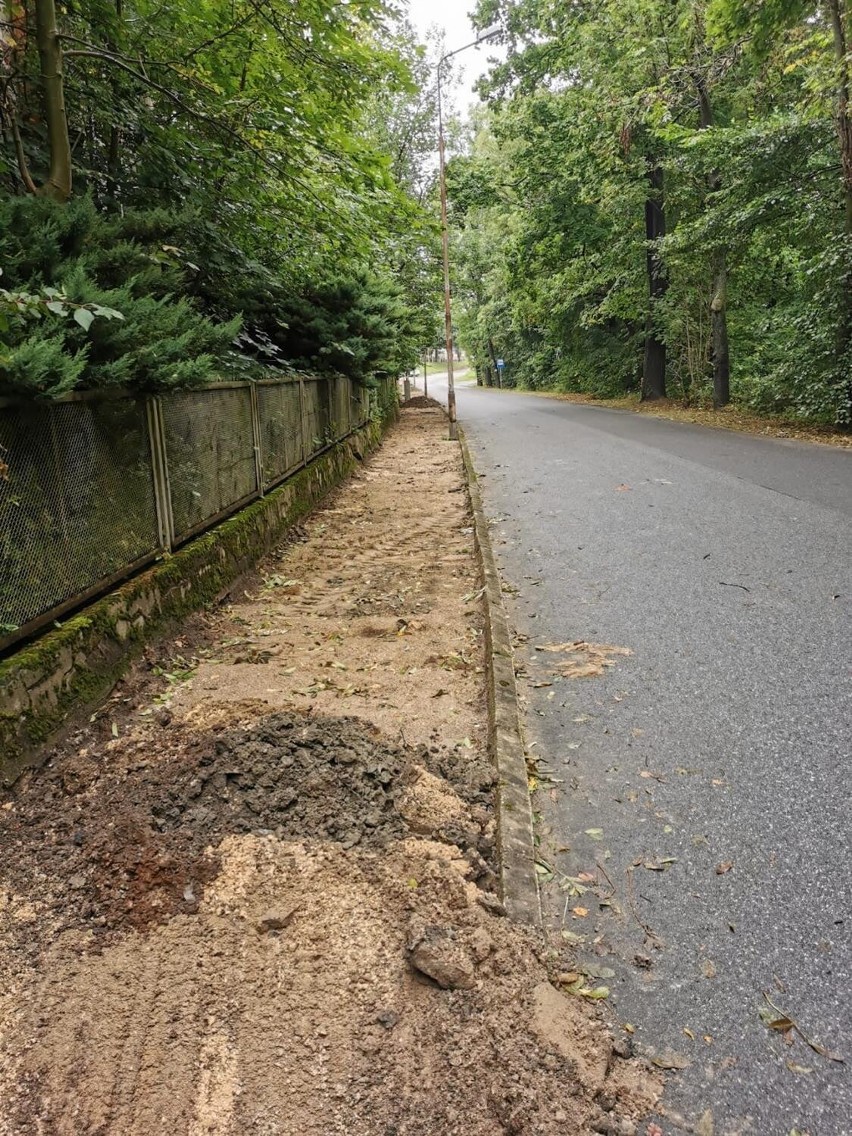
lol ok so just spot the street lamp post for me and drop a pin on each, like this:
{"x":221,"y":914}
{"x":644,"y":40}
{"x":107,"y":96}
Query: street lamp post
{"x":445,"y":236}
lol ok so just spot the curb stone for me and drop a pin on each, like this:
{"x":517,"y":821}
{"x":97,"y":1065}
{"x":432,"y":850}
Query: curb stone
{"x":516,"y":844}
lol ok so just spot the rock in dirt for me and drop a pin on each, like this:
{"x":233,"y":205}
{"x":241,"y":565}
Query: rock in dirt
{"x":491,"y":903}
{"x":435,"y":952}
{"x":275,"y":920}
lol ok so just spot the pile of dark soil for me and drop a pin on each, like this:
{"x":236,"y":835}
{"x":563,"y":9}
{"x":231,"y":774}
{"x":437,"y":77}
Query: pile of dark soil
{"x":421,"y":402}
{"x":133,"y":833}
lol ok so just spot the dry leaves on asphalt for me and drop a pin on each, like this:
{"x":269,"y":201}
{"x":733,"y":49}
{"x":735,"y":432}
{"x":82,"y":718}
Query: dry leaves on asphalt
{"x":586,"y":660}
{"x":776,"y":1019}
{"x":670,"y":1059}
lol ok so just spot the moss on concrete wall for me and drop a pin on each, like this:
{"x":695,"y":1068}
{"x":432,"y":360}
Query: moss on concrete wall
{"x":69,"y":670}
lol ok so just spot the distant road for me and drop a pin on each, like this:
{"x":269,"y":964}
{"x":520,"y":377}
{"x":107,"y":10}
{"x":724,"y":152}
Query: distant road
{"x":718,"y":751}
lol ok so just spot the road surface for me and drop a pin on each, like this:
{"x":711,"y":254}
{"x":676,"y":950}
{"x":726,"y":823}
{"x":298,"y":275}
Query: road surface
{"x":704,"y":780}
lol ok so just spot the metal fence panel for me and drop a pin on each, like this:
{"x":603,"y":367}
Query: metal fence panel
{"x":339,"y":403}
{"x":281,"y":437}
{"x":316,"y":414}
{"x":210,"y":453}
{"x":93,"y":487}
{"x":77,"y":502}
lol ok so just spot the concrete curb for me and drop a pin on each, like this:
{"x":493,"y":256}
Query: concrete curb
{"x":516,"y":845}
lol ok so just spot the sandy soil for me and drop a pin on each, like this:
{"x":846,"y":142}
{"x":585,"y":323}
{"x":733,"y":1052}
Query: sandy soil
{"x":257,"y":893}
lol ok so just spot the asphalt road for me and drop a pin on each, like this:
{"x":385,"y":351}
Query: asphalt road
{"x":719,"y":750}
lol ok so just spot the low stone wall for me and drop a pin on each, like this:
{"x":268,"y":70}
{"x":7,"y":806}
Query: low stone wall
{"x":69,"y":670}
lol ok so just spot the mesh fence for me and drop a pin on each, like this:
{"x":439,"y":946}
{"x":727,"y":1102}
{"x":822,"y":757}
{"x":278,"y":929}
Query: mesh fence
{"x":316,"y":414}
{"x":339,"y":405}
{"x":281,"y":438}
{"x":209,"y":452}
{"x":79,"y":481}
{"x":77,"y":502}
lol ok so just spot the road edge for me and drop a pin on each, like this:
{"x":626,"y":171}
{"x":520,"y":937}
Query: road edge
{"x":515,"y":840}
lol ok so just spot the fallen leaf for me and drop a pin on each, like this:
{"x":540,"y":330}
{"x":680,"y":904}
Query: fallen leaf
{"x":776,"y":1019}
{"x":598,"y":971}
{"x":595,"y":833}
{"x":568,"y":978}
{"x":704,"y":1126}
{"x":708,"y":968}
{"x":580,"y":912}
{"x":628,"y":1027}
{"x":670,"y":1059}
{"x":724,"y":867}
{"x":439,"y":693}
{"x":794,"y":1068}
{"x":781,"y":1024}
{"x":689,"y":1033}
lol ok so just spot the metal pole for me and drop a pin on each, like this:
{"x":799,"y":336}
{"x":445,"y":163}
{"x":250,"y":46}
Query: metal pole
{"x":425,"y":388}
{"x":256,"y":437}
{"x":445,"y":239}
{"x":445,"y":245}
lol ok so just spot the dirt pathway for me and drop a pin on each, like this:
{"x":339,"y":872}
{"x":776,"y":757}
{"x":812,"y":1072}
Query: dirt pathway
{"x":257,"y":893}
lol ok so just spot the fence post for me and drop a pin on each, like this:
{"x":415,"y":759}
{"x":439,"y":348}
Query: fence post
{"x":257,"y":438}
{"x":160,"y":472}
{"x":306,"y":449}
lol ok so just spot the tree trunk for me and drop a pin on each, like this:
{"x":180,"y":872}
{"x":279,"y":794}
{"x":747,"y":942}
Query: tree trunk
{"x":720,"y":357}
{"x":496,"y":369}
{"x":114,"y":148}
{"x":58,"y":184}
{"x":654,"y":369}
{"x":839,"y":15}
{"x":719,"y":352}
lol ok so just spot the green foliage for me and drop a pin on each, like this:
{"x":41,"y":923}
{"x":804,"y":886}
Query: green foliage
{"x":736,"y":105}
{"x":127,"y":327}
{"x":238,"y":167}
